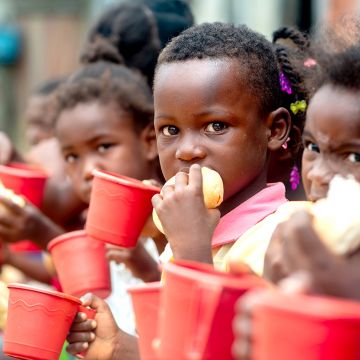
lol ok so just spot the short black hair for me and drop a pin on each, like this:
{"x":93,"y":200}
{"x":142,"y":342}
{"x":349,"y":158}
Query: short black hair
{"x":220,"y":41}
{"x":340,"y":70}
{"x":262,"y":60}
{"x":104,"y":79}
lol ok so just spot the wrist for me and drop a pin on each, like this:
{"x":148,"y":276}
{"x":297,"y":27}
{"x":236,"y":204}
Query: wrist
{"x":200,"y":252}
{"x":124,"y":347}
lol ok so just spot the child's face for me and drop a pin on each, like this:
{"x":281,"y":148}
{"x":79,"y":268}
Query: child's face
{"x":331,"y":139}
{"x":205,"y":115}
{"x":102,"y":136}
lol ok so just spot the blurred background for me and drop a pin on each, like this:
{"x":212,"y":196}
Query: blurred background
{"x":42,"y":39}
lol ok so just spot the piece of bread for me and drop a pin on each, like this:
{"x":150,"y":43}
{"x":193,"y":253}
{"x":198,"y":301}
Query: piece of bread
{"x":9,"y":194}
{"x":213,"y":190}
{"x":337,"y":217}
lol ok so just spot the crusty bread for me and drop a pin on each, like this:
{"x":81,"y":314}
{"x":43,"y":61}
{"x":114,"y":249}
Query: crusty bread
{"x":9,"y":194}
{"x":337,"y":217}
{"x":213,"y":190}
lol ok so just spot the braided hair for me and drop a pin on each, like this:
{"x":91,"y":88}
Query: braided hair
{"x":105,"y":79}
{"x":291,"y":48}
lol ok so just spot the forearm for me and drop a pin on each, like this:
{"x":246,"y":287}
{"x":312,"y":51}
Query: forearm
{"x":46,"y":230}
{"x":33,"y":268}
{"x":145,"y":267}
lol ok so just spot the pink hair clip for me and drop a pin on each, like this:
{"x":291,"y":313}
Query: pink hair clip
{"x":310,"y":62}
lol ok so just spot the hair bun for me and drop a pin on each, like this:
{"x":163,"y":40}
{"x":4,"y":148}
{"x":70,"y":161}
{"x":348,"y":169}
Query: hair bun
{"x":101,"y":49}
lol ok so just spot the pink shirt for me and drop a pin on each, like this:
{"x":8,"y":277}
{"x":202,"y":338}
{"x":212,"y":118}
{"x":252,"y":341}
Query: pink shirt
{"x":249,"y":213}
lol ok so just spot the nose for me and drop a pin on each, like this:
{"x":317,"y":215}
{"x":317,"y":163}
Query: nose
{"x":321,"y":173}
{"x":90,"y":164}
{"x":190,"y":148}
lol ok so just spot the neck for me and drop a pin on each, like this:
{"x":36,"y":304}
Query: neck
{"x":244,"y":194}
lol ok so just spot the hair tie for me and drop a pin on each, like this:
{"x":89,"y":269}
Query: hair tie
{"x":285,"y":83}
{"x":297,"y":106}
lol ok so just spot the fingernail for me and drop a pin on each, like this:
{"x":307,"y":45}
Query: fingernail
{"x":93,"y":324}
{"x":86,"y":297}
{"x":85,"y":345}
{"x":82,"y":316}
{"x":92,"y":336}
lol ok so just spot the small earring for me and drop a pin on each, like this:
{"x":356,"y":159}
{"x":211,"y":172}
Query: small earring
{"x":285,"y":144}
{"x":294,"y":178}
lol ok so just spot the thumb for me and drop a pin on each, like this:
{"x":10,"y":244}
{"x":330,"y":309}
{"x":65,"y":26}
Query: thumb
{"x":94,"y":302}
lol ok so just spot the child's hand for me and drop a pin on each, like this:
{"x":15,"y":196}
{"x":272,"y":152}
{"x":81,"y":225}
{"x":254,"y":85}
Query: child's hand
{"x":187,"y":223}
{"x":100,"y":338}
{"x":301,"y":251}
{"x":137,"y":259}
{"x":25,"y":222}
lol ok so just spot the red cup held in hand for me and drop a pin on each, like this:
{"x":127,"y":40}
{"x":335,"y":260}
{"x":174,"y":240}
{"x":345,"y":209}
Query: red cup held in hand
{"x":301,"y":327}
{"x":81,"y":264}
{"x":119,"y":208}
{"x":38,"y":322}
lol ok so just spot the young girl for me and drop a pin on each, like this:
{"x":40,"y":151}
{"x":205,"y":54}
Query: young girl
{"x":297,"y":256}
{"x":104,"y":122}
{"x":218,"y":103}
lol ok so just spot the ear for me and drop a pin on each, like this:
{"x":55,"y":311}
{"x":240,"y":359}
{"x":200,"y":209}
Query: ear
{"x":279,"y":124}
{"x":148,"y":140}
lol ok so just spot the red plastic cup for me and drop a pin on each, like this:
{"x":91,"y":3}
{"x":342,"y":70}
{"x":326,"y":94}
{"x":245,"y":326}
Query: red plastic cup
{"x":81,"y":264}
{"x":197,"y":309}
{"x":146,"y":301}
{"x":119,"y":208}
{"x":301,"y":327}
{"x":38,"y":322}
{"x":28,"y":181}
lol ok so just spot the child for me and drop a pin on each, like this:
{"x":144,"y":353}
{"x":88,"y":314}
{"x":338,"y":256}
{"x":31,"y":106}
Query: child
{"x":297,"y":258}
{"x":104,"y":122}
{"x":331,"y":140}
{"x":218,"y":103}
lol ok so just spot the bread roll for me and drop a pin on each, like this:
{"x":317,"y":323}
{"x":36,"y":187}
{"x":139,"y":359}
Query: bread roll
{"x":337,"y":217}
{"x":213,"y":190}
{"x":9,"y":194}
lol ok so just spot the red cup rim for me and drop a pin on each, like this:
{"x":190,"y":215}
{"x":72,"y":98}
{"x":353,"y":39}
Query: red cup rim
{"x":191,"y":270}
{"x":143,"y":288}
{"x":66,"y":237}
{"x":309,"y":305}
{"x":124,"y":180}
{"x":23,"y":170}
{"x":43,"y":291}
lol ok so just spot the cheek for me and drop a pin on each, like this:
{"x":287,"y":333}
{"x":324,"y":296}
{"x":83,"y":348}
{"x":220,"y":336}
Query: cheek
{"x":305,"y":168}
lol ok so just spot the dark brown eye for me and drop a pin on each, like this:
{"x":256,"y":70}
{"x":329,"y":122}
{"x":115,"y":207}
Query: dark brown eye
{"x":169,"y":130}
{"x":215,"y":126}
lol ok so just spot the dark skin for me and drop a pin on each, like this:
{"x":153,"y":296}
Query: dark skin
{"x":213,"y":117}
{"x":297,"y":257}
{"x":202,"y":128}
{"x":106,"y":139}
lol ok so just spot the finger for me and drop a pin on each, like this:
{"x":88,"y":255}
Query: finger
{"x":86,"y":325}
{"x":113,"y":247}
{"x":7,"y":220}
{"x":80,"y":337}
{"x":95,"y":303}
{"x":167,"y":190}
{"x":156,"y":200}
{"x":297,"y":283}
{"x":181,"y":180}
{"x":77,"y":348}
{"x":152,"y":182}
{"x":10,"y":205}
{"x":195,"y":177}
